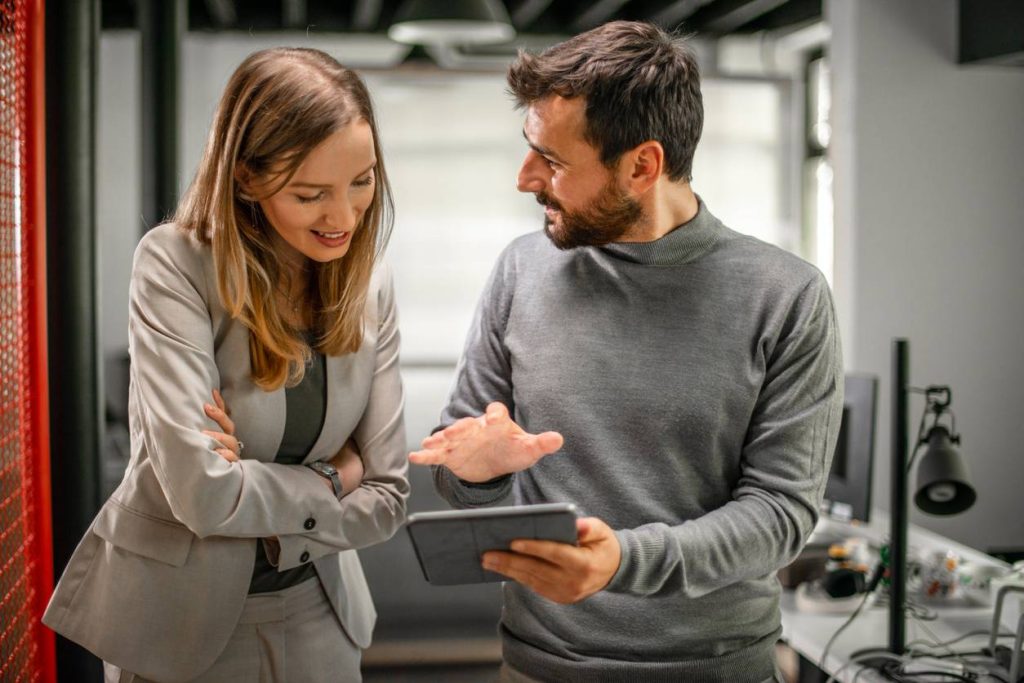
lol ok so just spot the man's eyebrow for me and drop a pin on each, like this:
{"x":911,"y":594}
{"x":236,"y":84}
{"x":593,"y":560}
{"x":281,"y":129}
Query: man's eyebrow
{"x":327,"y":186}
{"x":543,"y":151}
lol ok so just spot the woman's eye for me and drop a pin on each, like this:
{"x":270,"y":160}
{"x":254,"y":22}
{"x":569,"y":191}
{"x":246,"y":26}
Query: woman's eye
{"x":303,"y":199}
{"x":365,"y":181}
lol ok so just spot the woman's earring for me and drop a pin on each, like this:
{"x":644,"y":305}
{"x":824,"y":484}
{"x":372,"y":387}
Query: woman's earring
{"x":245,"y":197}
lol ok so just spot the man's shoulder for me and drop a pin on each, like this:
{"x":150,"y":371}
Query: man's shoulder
{"x":770,"y":262}
{"x":531,"y":244}
{"x":528,"y":252}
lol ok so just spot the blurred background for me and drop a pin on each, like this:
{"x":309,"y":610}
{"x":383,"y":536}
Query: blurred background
{"x":880,"y":140}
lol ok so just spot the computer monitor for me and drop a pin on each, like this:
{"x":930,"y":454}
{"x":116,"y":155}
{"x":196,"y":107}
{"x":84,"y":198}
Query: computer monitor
{"x":848,"y":492}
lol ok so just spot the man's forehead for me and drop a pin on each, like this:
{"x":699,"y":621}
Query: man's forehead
{"x":556,"y":116}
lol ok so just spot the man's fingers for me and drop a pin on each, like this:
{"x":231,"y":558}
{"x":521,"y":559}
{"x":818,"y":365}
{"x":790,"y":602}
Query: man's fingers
{"x":433,"y":441}
{"x":561,"y":554}
{"x":496,"y":412}
{"x":537,"y":575}
{"x":590,"y":529}
{"x":547,"y":443}
{"x":427,"y":457}
{"x":522,"y":568}
{"x":460,"y":428}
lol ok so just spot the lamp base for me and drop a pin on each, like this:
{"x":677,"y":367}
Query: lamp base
{"x":882,"y":662}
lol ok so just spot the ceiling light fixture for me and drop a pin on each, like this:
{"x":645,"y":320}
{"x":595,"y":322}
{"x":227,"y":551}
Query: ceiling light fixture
{"x":451,"y":22}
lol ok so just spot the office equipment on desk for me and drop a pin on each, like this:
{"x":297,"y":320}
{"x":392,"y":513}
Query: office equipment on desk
{"x":847,"y":498}
{"x":809,"y":632}
{"x":848,"y":491}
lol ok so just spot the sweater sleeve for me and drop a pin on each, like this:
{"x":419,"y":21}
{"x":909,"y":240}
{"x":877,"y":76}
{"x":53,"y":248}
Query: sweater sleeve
{"x":784,"y":467}
{"x":483,"y":376}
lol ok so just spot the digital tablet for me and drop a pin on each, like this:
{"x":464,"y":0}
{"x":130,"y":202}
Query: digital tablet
{"x":449,"y":544}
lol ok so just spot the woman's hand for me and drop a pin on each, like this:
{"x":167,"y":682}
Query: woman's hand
{"x":349,"y":464}
{"x":231,"y":447}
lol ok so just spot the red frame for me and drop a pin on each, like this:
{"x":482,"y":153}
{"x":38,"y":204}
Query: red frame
{"x":35,"y":245}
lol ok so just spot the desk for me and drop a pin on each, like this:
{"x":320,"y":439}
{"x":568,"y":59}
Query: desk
{"x":809,"y":633}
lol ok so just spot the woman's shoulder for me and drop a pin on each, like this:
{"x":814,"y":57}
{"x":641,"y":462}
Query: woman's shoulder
{"x":169,"y":255}
{"x":173,"y":244}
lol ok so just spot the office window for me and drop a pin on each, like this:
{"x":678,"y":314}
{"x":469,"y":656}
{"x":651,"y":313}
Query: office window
{"x":819,"y":231}
{"x":453,"y":147}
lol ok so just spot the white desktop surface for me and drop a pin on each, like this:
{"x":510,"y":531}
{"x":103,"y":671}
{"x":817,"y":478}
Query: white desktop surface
{"x":808,"y":633}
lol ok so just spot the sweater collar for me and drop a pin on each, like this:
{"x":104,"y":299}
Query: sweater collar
{"x":682,"y":244}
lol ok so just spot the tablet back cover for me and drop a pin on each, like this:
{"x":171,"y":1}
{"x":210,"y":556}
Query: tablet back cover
{"x":449,"y":550}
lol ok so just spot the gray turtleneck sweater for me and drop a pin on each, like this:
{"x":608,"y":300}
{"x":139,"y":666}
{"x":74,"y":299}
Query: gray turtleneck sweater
{"x":697,"y":381}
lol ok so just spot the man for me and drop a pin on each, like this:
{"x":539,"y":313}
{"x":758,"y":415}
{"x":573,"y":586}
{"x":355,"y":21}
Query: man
{"x":688,"y":376}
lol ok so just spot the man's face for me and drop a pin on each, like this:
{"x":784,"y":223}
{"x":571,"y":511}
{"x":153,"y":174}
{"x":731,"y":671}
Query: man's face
{"x":585,"y":204}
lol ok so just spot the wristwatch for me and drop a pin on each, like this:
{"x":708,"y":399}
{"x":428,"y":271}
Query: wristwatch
{"x":328,"y":471}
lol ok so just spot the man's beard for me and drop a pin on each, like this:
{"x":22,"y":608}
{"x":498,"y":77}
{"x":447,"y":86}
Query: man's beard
{"x":605,"y":221}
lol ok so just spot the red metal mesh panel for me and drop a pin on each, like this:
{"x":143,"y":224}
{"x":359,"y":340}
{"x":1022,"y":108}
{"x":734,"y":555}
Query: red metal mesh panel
{"x":25,"y":654}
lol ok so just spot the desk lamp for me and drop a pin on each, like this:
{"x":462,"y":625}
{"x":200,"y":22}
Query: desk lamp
{"x":943,"y":486}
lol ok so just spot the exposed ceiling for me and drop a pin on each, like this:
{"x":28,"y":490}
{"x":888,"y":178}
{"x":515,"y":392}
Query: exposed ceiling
{"x":710,"y":18}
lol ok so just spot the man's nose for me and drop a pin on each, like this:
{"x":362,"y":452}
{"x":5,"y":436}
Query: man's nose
{"x":531,"y":177}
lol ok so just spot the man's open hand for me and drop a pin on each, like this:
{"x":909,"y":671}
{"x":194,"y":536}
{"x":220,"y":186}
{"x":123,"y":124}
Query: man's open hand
{"x":481,"y":448}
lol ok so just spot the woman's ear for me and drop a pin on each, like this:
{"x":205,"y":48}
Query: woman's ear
{"x":242,"y":183}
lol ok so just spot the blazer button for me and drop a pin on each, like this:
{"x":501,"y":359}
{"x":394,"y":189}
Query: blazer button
{"x":304,"y":557}
{"x":309,"y":523}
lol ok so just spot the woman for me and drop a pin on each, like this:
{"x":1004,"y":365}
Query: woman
{"x":227,"y":552}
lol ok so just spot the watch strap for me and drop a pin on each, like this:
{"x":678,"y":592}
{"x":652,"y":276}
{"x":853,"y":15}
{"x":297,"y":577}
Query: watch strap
{"x":331,"y":473}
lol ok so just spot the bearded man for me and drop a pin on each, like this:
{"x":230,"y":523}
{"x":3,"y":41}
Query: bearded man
{"x":687,"y":376}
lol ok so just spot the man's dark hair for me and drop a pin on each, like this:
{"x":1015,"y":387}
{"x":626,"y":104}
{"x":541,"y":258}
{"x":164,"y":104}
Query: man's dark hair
{"x":639,"y":83}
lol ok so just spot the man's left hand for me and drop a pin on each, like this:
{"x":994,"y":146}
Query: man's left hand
{"x":558,"y":571}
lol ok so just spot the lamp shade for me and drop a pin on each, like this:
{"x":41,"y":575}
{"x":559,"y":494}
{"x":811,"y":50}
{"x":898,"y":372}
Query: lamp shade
{"x":451,"y":22}
{"x":943,"y":483}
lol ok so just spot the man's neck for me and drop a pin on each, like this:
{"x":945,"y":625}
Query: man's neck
{"x":666,"y":206}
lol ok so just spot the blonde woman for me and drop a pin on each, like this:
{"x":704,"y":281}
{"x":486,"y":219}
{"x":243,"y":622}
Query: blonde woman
{"x":227,"y":552}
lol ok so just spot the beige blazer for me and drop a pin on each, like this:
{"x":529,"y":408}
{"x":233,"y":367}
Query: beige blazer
{"x":157,"y":584}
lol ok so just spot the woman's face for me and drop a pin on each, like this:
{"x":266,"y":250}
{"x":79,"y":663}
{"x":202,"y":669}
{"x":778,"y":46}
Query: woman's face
{"x":317,"y":212}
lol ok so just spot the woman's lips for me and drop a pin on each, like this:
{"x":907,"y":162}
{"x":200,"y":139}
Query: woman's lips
{"x":331,"y":239}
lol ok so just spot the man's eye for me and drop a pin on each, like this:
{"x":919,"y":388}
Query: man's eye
{"x":303,"y":199}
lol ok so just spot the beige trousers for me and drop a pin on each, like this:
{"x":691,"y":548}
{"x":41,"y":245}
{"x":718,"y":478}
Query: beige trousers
{"x":290,"y":636}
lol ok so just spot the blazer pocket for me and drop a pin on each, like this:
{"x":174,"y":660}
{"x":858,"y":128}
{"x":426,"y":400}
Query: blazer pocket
{"x":158,"y":539}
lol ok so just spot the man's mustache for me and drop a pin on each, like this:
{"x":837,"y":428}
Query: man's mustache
{"x":544,"y":200}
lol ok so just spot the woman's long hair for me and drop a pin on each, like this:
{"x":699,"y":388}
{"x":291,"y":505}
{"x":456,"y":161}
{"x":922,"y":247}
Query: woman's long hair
{"x":278,"y":106}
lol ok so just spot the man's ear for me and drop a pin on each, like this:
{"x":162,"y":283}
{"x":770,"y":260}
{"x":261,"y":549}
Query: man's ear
{"x":644,"y":165}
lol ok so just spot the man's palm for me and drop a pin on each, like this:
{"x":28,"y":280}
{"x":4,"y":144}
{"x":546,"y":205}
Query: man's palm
{"x":481,"y":448}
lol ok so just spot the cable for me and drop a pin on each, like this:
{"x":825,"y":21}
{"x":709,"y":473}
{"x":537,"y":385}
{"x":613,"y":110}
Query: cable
{"x":970,"y":634}
{"x":881,"y":654}
{"x":828,"y":645}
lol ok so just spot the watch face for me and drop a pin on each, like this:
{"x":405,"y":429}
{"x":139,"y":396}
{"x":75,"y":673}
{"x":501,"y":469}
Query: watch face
{"x":325,"y":467}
